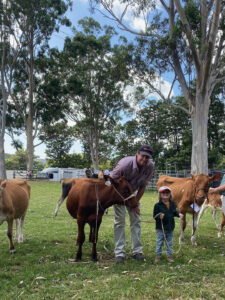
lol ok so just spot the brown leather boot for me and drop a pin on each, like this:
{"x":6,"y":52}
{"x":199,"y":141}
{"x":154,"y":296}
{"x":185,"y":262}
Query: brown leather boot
{"x":157,"y":258}
{"x":170,"y":258}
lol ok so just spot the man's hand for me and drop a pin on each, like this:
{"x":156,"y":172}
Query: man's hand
{"x":162,"y":216}
{"x":181,"y":216}
{"x":212,"y":190}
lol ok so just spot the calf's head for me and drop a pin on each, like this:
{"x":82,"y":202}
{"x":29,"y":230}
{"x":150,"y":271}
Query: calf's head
{"x":124,"y":190}
{"x":202,"y":183}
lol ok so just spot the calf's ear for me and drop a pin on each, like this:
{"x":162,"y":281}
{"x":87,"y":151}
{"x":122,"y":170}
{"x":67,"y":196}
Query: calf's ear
{"x":114,"y":181}
{"x":215,"y":177}
{"x":106,"y":177}
{"x":3,"y":184}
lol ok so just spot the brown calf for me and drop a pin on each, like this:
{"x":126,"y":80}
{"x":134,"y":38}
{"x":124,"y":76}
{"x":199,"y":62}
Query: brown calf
{"x":87,"y":201}
{"x":186,"y":193}
{"x":215,"y":202}
{"x":14,"y":200}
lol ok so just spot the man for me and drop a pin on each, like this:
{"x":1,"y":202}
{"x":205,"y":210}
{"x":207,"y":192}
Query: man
{"x":220,"y":189}
{"x":138,"y":170}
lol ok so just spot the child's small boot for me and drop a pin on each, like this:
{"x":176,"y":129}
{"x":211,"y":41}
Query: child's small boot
{"x":157,"y":258}
{"x":170,"y":258}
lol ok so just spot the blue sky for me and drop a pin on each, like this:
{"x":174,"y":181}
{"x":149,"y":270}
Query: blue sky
{"x":81,"y":9}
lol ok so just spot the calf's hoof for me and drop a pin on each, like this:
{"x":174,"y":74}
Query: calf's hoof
{"x":94,"y":259}
{"x":193,"y":240}
{"x":20,"y":240}
{"x":181,"y":241}
{"x":219,"y":234}
{"x":78,"y":258}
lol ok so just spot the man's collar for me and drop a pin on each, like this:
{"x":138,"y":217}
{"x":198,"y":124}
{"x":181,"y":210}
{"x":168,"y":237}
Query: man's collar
{"x":135,"y":162}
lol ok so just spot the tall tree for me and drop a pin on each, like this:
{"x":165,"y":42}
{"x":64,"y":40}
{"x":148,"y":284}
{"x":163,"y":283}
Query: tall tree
{"x":181,"y":37}
{"x":59,"y":141}
{"x":96,"y":77}
{"x":36,"y":20}
{"x":10,"y":49}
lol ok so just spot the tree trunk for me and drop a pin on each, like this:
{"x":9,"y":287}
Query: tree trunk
{"x":2,"y":160}
{"x":29,"y":123}
{"x":93,"y":157}
{"x":2,"y":124}
{"x":30,"y":144}
{"x":199,"y":117}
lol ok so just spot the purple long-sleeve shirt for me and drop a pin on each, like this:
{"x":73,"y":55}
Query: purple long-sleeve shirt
{"x":136,"y":176}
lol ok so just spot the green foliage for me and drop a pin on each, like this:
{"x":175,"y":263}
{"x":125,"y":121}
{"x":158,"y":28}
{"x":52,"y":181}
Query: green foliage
{"x":168,"y":130}
{"x":74,"y":160}
{"x":58,"y":139}
{"x":35,"y":94}
{"x":95,"y":79}
{"x":18,"y":161}
{"x":127,"y":142}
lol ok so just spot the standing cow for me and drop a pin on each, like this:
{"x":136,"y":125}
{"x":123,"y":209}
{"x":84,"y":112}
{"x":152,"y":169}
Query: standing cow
{"x":87,"y":201}
{"x":188,"y":194}
{"x":14,"y":200}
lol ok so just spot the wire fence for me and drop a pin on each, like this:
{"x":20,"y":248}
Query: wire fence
{"x":37,"y":175}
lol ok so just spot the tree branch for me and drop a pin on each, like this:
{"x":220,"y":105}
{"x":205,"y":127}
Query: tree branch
{"x":165,"y":6}
{"x":189,"y":35}
{"x":211,"y":45}
{"x":120,"y":21}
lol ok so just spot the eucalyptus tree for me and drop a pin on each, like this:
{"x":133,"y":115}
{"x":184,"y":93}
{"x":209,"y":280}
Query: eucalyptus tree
{"x":59,"y":140}
{"x":36,"y":21}
{"x":96,"y":74}
{"x":185,"y":38}
{"x":10,"y":49}
{"x":128,"y":139}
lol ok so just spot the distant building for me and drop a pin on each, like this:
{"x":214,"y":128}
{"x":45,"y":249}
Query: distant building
{"x":56,"y":174}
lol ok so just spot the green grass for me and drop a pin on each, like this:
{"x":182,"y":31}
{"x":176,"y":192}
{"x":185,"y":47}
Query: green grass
{"x":43,"y":267}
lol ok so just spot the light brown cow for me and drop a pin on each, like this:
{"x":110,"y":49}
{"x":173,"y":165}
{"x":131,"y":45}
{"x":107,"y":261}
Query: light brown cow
{"x":14,"y":200}
{"x":215,"y":202}
{"x":186,"y":193}
{"x":87,"y":201}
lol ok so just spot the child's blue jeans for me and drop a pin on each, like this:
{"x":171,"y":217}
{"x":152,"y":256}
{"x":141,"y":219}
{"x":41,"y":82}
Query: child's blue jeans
{"x":160,"y":241}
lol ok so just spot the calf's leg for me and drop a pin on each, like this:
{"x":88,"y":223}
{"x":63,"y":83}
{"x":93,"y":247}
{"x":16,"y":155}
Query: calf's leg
{"x":20,"y":237}
{"x":202,"y":210}
{"x":221,"y":225}
{"x":80,"y":238}
{"x":194,"y":227}
{"x":182,"y":228}
{"x":10,"y":235}
{"x":17,"y":228}
{"x":214,"y":214}
{"x":94,"y":239}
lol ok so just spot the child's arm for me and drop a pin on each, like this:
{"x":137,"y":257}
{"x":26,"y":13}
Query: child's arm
{"x":156,"y":211}
{"x":178,"y":214}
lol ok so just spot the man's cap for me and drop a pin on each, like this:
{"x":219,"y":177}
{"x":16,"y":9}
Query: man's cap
{"x":164,"y":188}
{"x":146,"y":150}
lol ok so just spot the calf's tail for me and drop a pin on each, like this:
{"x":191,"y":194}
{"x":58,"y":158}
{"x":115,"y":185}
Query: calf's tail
{"x":66,"y":187}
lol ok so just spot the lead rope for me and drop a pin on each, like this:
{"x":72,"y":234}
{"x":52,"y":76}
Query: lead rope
{"x":125,"y":199}
{"x":97,"y":211}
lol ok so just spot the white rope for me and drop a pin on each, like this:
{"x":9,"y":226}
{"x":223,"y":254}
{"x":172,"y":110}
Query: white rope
{"x":125,"y":199}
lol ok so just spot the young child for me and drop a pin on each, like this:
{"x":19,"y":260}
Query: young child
{"x":165,"y":210}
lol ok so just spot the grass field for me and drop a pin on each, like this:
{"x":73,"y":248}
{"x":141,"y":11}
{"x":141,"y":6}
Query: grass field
{"x":43,"y":267}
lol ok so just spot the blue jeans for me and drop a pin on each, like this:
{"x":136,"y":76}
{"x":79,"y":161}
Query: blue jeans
{"x":160,"y":241}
